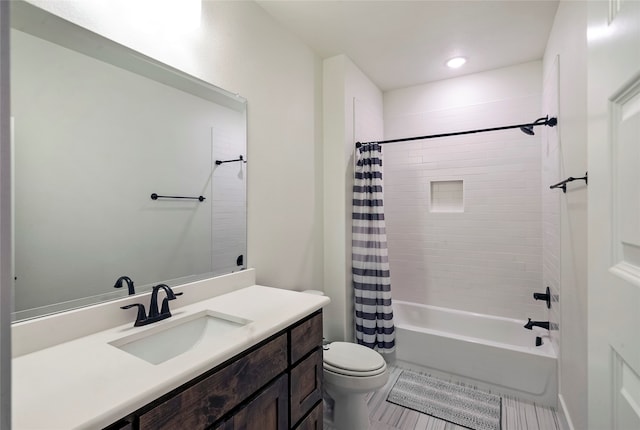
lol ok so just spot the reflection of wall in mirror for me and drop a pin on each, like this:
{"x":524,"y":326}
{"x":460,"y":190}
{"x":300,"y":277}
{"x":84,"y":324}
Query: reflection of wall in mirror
{"x":229,"y":201}
{"x":92,"y":143}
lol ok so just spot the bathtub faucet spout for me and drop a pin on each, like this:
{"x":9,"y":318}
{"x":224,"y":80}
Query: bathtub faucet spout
{"x":530,"y":324}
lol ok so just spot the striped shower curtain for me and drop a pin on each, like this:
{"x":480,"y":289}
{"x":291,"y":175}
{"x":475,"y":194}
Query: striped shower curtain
{"x":370,"y":261}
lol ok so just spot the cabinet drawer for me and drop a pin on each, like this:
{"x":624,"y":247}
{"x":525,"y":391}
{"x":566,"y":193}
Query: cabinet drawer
{"x":305,"y":337}
{"x":201,"y":404}
{"x":268,"y":411}
{"x":313,"y":421}
{"x":306,"y":385}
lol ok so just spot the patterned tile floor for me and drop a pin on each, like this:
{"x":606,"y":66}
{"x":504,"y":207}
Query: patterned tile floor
{"x":516,"y":415}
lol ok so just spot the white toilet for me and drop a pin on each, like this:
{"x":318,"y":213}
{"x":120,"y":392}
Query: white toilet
{"x":351,"y":371}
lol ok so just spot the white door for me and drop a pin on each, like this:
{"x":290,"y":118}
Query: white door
{"x":614,"y":214}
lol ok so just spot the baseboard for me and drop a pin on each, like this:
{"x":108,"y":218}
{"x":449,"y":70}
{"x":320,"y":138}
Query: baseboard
{"x":563,"y":414}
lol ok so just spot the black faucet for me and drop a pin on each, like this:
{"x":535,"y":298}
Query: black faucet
{"x":153,"y":306}
{"x":123,"y":279}
{"x":154,"y":315}
{"x":530,"y":324}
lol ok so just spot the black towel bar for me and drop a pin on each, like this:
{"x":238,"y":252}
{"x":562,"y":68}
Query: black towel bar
{"x":563,"y":184}
{"x":218,"y":162}
{"x":154,"y":196}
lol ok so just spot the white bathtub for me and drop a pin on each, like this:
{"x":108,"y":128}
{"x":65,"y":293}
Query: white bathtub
{"x":492,"y":352}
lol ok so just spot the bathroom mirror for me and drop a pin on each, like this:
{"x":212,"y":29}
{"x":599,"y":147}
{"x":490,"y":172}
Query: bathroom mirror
{"x":97,"y":128}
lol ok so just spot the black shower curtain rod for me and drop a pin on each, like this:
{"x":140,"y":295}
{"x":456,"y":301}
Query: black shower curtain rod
{"x":526,"y":128}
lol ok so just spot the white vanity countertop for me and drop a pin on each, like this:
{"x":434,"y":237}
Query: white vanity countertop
{"x":88,"y":383}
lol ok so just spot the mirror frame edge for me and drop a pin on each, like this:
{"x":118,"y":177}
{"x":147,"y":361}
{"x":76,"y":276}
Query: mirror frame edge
{"x":6,"y":284}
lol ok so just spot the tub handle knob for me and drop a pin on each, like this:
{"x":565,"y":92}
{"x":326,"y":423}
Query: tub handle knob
{"x":544,"y":296}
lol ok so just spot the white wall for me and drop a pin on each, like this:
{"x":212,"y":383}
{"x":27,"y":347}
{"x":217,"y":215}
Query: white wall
{"x":352,"y":112}
{"x":240,"y":48}
{"x":486,"y":257}
{"x":568,"y":42}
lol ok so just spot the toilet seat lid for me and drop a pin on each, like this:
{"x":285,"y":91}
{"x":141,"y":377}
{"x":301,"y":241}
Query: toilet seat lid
{"x":356,"y":373}
{"x":352,"y":357}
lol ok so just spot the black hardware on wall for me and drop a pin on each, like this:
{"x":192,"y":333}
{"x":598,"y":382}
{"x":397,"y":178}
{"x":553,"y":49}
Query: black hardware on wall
{"x":543,"y":324}
{"x":155,"y":196}
{"x":240,"y":260}
{"x":544,"y":296}
{"x":525,"y":128}
{"x":563,"y":184}
{"x":241,"y":158}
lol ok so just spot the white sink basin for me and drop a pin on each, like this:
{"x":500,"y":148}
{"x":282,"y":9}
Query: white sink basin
{"x":178,"y":336}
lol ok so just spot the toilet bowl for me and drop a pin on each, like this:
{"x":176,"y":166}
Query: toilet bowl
{"x":352,"y":371}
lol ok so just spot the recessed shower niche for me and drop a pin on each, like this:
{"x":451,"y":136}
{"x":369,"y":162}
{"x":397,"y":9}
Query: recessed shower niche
{"x":447,"y":196}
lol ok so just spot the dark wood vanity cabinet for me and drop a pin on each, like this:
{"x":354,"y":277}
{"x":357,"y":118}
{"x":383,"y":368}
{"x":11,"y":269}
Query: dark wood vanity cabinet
{"x":268,"y":411}
{"x":313,"y":421}
{"x":275,"y":385}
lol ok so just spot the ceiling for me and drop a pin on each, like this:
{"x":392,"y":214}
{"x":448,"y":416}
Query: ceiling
{"x":403,"y":43}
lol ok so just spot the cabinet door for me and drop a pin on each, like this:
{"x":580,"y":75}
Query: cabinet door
{"x":306,"y":385}
{"x":268,"y":411}
{"x":202,"y":404}
{"x":313,"y":421}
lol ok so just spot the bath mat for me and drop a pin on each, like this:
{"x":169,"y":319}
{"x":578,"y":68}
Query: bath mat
{"x":458,"y":404}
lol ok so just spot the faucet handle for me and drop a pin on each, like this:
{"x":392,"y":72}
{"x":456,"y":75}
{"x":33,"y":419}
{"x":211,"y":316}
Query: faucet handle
{"x":141,"y":317}
{"x":165,"y":303}
{"x":170,"y":294}
{"x":546,"y":296}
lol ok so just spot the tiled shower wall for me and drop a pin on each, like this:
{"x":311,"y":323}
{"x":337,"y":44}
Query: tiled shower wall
{"x":551,"y":240}
{"x":480,"y":251}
